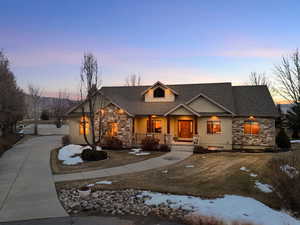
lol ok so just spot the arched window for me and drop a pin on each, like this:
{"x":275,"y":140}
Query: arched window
{"x":251,"y":126}
{"x":159,"y":93}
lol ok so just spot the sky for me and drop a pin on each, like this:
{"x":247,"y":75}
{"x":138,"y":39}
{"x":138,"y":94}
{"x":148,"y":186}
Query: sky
{"x":174,"y":41}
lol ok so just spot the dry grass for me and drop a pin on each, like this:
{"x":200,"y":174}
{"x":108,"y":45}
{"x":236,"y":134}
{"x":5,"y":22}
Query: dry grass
{"x":8,"y":141}
{"x":195,"y":219}
{"x":213,"y":175}
{"x":116,"y":158}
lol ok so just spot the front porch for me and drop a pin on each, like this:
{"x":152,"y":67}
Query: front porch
{"x":171,"y":130}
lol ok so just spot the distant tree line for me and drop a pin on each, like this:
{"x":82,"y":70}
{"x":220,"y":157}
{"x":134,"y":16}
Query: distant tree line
{"x":12,"y":104}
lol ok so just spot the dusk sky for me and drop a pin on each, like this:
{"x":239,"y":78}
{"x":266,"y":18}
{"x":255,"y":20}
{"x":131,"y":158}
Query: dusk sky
{"x":171,"y":41}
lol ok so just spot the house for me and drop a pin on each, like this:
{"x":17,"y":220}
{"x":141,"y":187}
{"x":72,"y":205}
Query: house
{"x":215,"y":116}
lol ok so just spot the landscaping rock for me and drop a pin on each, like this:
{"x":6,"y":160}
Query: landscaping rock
{"x":123,"y":202}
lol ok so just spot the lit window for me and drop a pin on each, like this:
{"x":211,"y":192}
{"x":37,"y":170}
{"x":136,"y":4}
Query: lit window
{"x":156,"y":126}
{"x":213,"y":126}
{"x":84,"y":123}
{"x":159,"y":93}
{"x":251,"y":126}
{"x":113,"y":129}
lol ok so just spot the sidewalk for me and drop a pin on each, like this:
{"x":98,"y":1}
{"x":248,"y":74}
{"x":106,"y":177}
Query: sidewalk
{"x":27,"y":190}
{"x":153,"y":163}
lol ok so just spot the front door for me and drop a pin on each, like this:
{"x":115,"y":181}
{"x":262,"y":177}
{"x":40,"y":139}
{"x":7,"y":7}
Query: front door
{"x":185,"y":128}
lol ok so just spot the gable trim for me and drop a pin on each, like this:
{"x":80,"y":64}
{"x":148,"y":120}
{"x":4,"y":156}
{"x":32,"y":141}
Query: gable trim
{"x":211,"y":101}
{"x":158,"y":83}
{"x":184,"y":106}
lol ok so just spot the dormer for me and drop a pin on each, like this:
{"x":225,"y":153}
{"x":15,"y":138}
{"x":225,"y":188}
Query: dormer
{"x":159,"y":92}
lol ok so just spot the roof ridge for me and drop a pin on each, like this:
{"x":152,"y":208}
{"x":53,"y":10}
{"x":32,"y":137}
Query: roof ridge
{"x":125,"y":86}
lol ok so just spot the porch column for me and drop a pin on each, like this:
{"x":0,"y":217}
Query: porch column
{"x":196,"y":124}
{"x":149,"y":124}
{"x":133,"y":124}
{"x":168,"y":124}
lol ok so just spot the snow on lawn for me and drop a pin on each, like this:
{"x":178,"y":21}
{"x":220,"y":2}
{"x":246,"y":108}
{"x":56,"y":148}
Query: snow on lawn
{"x":137,"y":151}
{"x":244,"y":169}
{"x":289,"y":170}
{"x":229,"y":208}
{"x":104,"y":182}
{"x":189,"y":166}
{"x":263,"y":187}
{"x":66,"y":154}
{"x":295,"y":141}
{"x":253,"y":175}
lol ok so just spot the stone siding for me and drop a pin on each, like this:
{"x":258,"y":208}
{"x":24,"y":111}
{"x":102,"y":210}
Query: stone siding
{"x":112,"y":114}
{"x":265,"y":138}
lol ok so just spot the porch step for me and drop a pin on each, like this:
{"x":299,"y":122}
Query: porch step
{"x":185,"y":148}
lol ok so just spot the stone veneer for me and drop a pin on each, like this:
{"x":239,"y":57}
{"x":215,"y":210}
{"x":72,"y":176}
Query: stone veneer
{"x":265,"y":138}
{"x":112,"y":114}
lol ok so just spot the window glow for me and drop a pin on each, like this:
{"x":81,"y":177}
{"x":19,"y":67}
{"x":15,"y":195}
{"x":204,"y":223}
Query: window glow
{"x":156,"y":126}
{"x":113,"y":129}
{"x":213,"y":126}
{"x":84,"y":122}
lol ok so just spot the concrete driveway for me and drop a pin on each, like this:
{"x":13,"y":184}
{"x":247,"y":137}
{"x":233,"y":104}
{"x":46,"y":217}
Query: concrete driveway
{"x":27,"y":189}
{"x":47,"y":129}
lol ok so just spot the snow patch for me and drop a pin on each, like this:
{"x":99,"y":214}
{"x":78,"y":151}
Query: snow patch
{"x":229,"y":208}
{"x":104,"y":182}
{"x":137,"y":151}
{"x":253,"y":175}
{"x":90,"y":185}
{"x":165,"y":171}
{"x":189,"y":166}
{"x":244,"y":169}
{"x":263,"y":187}
{"x":289,"y":170}
{"x":66,"y":154}
{"x":295,"y":141}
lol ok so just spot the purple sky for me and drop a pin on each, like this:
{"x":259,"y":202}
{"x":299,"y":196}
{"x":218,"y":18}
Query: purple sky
{"x":171,"y":41}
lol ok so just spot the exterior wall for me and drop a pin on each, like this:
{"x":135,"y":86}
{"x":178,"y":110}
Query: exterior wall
{"x":265,"y":138}
{"x":202,"y":105}
{"x":222,"y":140}
{"x":112,"y":114}
{"x":169,"y":96}
{"x":75,"y":136}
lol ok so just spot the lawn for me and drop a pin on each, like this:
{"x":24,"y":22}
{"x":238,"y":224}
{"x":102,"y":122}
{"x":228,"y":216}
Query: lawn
{"x":210,"y":176}
{"x":116,"y":158}
{"x":7,"y":141}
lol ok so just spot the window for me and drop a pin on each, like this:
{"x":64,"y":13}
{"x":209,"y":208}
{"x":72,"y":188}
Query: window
{"x":156,"y":126}
{"x":159,"y":93}
{"x":251,"y":127}
{"x":84,"y":122}
{"x":213,"y":126}
{"x":113,"y":129}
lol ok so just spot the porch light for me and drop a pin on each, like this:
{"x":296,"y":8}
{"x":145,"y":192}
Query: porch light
{"x":214,"y":118}
{"x":153,"y":116}
{"x":121,"y":111}
{"x":102,"y":111}
{"x":251,"y":118}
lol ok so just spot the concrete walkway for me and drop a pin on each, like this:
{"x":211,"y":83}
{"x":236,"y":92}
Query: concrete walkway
{"x":153,"y":163}
{"x":27,"y":189}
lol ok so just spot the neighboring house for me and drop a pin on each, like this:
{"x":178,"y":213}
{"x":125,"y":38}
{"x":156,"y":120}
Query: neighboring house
{"x":212,"y":115}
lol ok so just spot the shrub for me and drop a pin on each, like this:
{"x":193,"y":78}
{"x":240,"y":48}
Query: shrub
{"x":282,"y":140}
{"x":150,"y":144}
{"x":91,"y":155}
{"x":164,"y":148}
{"x":113,"y":143}
{"x":45,"y":115}
{"x":285,"y":179}
{"x":199,"y":150}
{"x":65,"y":140}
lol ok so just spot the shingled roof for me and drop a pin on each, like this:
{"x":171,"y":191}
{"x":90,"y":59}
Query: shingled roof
{"x":239,"y":100}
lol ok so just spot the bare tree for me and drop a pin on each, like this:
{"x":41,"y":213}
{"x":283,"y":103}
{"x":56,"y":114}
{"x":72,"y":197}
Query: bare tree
{"x":60,"y":107}
{"x":35,"y":95}
{"x":91,"y":104}
{"x":133,"y":80}
{"x":288,"y":77}
{"x":259,"y":79}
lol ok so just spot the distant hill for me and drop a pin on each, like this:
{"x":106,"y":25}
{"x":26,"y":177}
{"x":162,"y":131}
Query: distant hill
{"x":47,"y":103}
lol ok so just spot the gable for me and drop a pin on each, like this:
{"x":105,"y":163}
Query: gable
{"x":169,"y":96}
{"x":181,"y":111}
{"x":201,"y":104}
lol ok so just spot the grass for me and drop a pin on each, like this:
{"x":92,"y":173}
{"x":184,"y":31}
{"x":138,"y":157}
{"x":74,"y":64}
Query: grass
{"x":116,"y":158}
{"x":212,"y":176}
